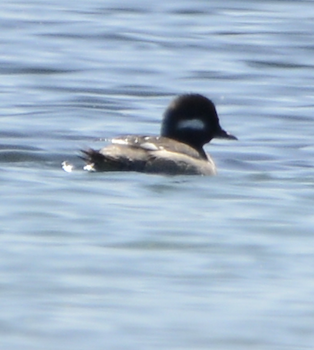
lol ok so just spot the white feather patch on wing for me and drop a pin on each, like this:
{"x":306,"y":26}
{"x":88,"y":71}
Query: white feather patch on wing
{"x":149,"y":146}
{"x":120,"y":141}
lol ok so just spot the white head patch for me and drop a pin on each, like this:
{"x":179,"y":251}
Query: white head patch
{"x":194,"y":124}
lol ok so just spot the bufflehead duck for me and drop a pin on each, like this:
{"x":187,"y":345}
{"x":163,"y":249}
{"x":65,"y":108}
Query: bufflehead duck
{"x":189,"y":123}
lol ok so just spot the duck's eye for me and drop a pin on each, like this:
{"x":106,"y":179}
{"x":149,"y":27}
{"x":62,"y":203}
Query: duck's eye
{"x":194,"y":124}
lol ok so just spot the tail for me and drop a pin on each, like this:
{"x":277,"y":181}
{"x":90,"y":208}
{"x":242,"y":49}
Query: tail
{"x":91,"y":156}
{"x":93,"y":159}
{"x":96,"y":161}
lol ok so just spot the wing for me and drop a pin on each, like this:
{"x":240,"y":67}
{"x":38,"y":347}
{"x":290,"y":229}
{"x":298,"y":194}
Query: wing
{"x":157,"y":143}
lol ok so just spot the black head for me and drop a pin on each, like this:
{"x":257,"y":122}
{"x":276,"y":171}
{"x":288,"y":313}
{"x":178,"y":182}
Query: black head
{"x":192,"y":119}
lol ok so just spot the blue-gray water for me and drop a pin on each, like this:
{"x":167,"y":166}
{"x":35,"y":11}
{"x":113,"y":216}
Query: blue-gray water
{"x":132,"y":261}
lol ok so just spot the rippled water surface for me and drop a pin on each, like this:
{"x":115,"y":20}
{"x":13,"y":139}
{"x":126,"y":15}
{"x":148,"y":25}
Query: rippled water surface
{"x":135,"y":261}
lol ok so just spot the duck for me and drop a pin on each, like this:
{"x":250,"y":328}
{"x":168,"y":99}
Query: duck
{"x":189,"y":122}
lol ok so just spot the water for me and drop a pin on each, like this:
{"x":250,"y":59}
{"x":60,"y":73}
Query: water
{"x":135,"y":261}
